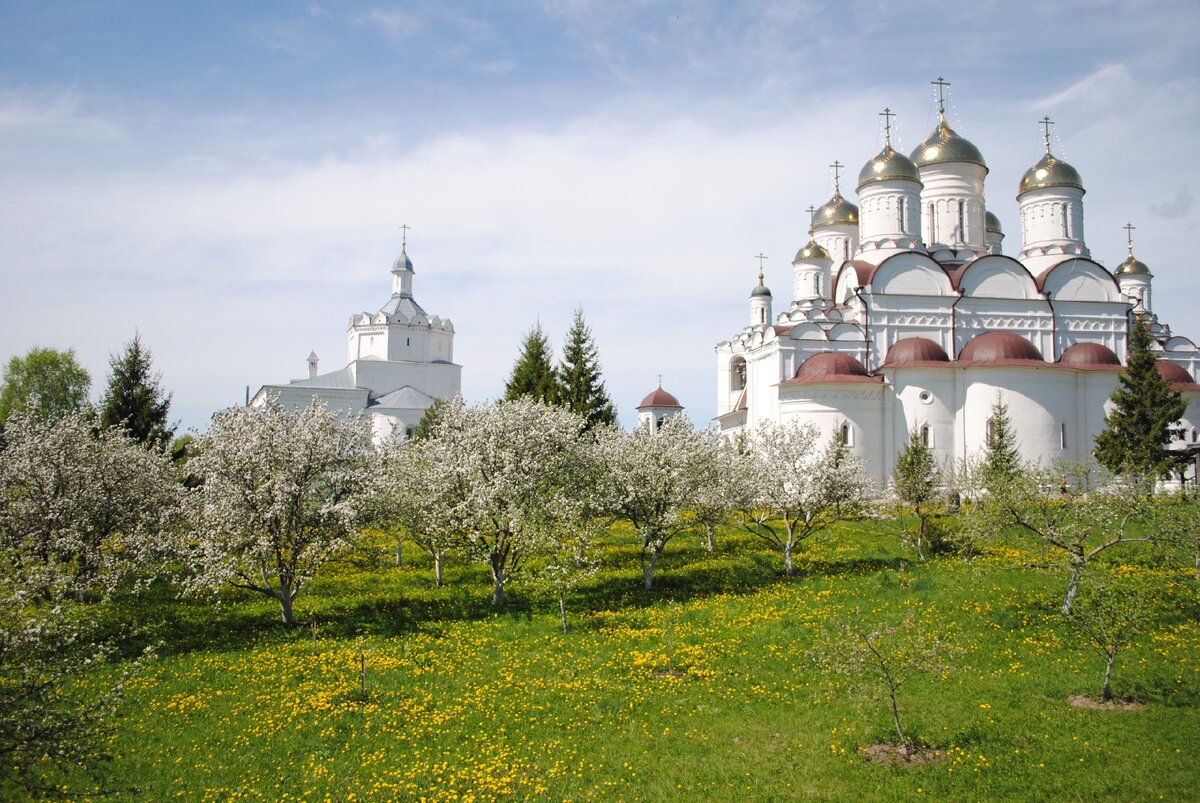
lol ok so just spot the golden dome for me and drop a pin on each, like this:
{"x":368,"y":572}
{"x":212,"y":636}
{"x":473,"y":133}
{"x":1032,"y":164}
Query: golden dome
{"x":811,"y":251}
{"x":888,"y":165}
{"x":944,"y":145}
{"x":1049,"y":172}
{"x":837,"y":211}
{"x":1132,"y":266}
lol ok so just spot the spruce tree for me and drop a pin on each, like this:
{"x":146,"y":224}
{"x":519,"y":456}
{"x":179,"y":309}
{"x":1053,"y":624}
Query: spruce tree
{"x":135,"y":400}
{"x":1001,"y":462}
{"x":580,"y":387}
{"x":1138,"y":430}
{"x":533,"y":375}
{"x":915,"y":481}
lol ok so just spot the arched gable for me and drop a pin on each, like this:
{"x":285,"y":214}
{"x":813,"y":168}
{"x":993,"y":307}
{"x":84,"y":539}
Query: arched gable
{"x":851,"y":276}
{"x":808,"y":331}
{"x":846,"y":331}
{"x":1179,"y":343}
{"x":997,"y":276}
{"x":1079,"y":280}
{"x":911,"y":273}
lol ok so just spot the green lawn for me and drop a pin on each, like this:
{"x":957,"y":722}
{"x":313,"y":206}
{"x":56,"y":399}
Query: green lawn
{"x":463,"y":703}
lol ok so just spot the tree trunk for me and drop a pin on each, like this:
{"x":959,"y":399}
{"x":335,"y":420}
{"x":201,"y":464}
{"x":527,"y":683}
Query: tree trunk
{"x":437,"y":568}
{"x":905,"y":746}
{"x":1106,"y":694}
{"x":787,"y":560}
{"x":399,"y":554}
{"x":497,"y":589}
{"x":648,"y":568}
{"x":921,"y":538}
{"x":286,"y":598}
{"x":562,"y":609}
{"x":1072,"y":590}
{"x":711,"y":545}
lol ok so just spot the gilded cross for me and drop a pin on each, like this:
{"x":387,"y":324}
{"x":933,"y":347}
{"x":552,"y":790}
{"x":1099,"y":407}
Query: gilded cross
{"x":887,"y":115}
{"x":1129,"y":227}
{"x":404,"y":235}
{"x":941,"y":84}
{"x":837,"y":176}
{"x":1046,"y":122}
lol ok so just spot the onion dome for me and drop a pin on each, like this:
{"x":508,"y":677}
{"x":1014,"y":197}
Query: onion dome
{"x":1089,"y":355}
{"x":835,"y":212}
{"x":402,"y":262}
{"x":945,"y":145}
{"x":1049,"y":172}
{"x":915,"y":351}
{"x":999,"y":347}
{"x":660,"y":398}
{"x":1132,"y":266}
{"x":1173,"y":373}
{"x":991,"y":223}
{"x":761,"y":290}
{"x":829,"y":366}
{"x":888,"y":165}
{"x":811,"y":251}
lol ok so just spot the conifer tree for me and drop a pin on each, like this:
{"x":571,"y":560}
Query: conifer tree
{"x":1137,"y":431}
{"x":580,"y":387}
{"x":1000,"y":459}
{"x":915,"y":482}
{"x":135,"y":400}
{"x":533,"y":374}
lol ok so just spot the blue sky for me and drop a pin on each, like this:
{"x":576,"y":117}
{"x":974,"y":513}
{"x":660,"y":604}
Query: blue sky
{"x":228,"y":178}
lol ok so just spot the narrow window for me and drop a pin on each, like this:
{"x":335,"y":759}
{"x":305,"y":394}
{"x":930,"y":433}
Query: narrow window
{"x":408,"y":433}
{"x":932,"y":225}
{"x":962,"y":224}
{"x":990,"y":431}
{"x":925,"y":435}
{"x":900,"y":214}
{"x":1066,"y":233}
{"x":844,"y":435}
{"x":1062,"y":436}
{"x":845,"y":249}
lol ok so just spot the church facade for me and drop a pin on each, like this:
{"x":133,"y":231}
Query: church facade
{"x":399,"y":361}
{"x":907,"y":316}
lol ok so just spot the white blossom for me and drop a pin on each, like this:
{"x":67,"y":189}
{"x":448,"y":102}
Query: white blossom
{"x":278,"y":497}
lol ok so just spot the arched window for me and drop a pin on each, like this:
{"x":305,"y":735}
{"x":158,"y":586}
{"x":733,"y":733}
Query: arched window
{"x":1062,"y":436}
{"x":925,"y":435}
{"x":900,"y":215}
{"x":962,"y":221}
{"x":844,"y":434}
{"x":989,"y":432}
{"x":737,"y":374}
{"x":932,"y":225}
{"x":1066,"y":230}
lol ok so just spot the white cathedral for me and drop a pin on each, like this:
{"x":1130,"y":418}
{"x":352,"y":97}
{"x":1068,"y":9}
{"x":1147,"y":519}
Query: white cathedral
{"x":906,"y":316}
{"x":400,"y":359}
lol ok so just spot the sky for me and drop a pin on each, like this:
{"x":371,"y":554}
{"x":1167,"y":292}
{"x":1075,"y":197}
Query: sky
{"x":228,"y":179}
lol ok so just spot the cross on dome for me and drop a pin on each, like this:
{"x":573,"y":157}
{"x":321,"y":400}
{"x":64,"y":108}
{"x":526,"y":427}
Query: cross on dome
{"x":1129,"y":227}
{"x":837,"y":177}
{"x":404,"y":227}
{"x":812,"y":216}
{"x":887,"y":114}
{"x":941,"y":84}
{"x":1046,"y":122}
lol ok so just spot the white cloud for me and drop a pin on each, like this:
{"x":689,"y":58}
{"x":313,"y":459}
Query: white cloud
{"x":393,"y":23}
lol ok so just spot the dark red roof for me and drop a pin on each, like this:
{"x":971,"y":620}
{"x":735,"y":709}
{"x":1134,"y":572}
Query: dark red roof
{"x":1000,"y":348}
{"x":915,"y":351}
{"x":1175,"y":375}
{"x":660,"y":398}
{"x":831,"y":367}
{"x":1090,"y":357}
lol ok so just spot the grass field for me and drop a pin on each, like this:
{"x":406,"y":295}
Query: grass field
{"x":464,"y":703}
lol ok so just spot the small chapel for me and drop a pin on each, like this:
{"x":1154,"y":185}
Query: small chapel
{"x":400,"y":360}
{"x":906,"y":315}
